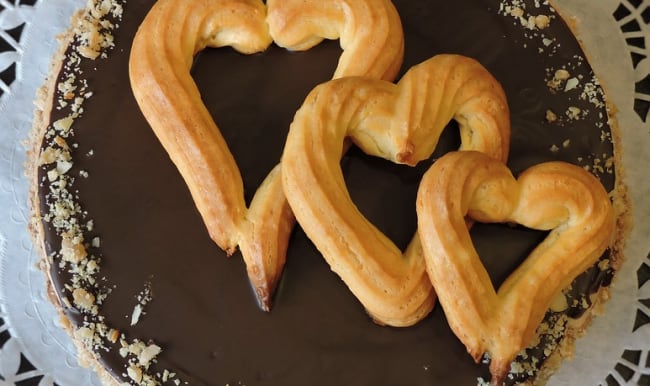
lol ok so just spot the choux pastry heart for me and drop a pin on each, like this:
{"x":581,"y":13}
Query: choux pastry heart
{"x":399,"y":122}
{"x":371,"y":36}
{"x":554,"y":196}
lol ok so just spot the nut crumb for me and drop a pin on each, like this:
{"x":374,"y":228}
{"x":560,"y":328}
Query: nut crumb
{"x":135,"y":316}
{"x":573,"y":113}
{"x":148,"y":354}
{"x":571,"y":84}
{"x":84,"y":300}
{"x":135,"y":373}
{"x":551,"y":116}
{"x":542,"y":21}
{"x":562,"y":74}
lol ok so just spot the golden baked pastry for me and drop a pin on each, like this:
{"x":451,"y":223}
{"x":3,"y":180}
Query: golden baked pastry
{"x":401,"y":123}
{"x":161,"y":56}
{"x":555,"y":196}
{"x":370,"y":32}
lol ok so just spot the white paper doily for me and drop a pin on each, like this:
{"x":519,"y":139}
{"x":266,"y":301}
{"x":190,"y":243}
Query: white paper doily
{"x":616,"y":351}
{"x":28,"y":316}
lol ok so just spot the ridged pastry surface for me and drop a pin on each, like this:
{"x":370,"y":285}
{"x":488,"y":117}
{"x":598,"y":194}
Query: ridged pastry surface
{"x":401,"y":123}
{"x":553,"y":196}
{"x":161,"y":57}
{"x":369,"y":32}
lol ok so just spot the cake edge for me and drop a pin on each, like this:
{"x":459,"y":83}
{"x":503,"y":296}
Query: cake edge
{"x":44,"y":102}
{"x":622,"y":204}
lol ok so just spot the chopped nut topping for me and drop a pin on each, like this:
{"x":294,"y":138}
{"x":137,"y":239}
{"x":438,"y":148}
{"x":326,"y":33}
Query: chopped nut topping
{"x":135,"y":316}
{"x":550,"y":116}
{"x":48,"y":156}
{"x":83,"y":299}
{"x":517,"y":12}
{"x":62,"y":167}
{"x":84,"y":334}
{"x":148,"y":354}
{"x":571,"y":84}
{"x":542,"y":21}
{"x":135,"y":373}
{"x":113,"y":335}
{"x":72,"y":248}
{"x":63,"y":126}
{"x":573,"y":113}
{"x":52,"y":175}
{"x":562,"y":74}
{"x":93,"y":38}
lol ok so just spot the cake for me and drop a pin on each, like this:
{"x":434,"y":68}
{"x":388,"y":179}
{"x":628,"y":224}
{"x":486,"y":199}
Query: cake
{"x":149,"y":299}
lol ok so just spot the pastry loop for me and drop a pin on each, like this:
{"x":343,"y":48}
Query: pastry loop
{"x":399,"y":122}
{"x":554,"y":196}
{"x":161,"y":57}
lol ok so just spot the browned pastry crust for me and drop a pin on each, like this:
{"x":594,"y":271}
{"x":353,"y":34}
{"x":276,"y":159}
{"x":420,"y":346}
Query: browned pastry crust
{"x":370,"y":32}
{"x":401,"y":123}
{"x":555,"y":196}
{"x":161,"y":56}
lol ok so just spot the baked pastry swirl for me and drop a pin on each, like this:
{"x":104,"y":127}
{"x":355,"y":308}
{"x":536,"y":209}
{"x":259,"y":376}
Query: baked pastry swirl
{"x":162,"y":52}
{"x":401,"y":123}
{"x":555,"y":196}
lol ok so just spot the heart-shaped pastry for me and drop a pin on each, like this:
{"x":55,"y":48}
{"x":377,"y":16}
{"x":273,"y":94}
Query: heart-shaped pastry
{"x":401,"y":123}
{"x":174,"y":30}
{"x":555,"y":196}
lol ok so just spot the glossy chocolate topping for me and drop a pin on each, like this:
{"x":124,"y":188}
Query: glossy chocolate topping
{"x":203,"y":313}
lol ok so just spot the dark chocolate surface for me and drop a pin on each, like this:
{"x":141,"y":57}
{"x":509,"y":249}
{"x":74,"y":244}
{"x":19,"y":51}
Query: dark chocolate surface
{"x":203,"y":312}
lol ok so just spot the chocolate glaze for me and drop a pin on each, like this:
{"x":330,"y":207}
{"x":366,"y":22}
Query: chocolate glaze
{"x":203,"y":312}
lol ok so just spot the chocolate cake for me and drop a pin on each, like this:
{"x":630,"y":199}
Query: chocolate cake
{"x":150,"y":299}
